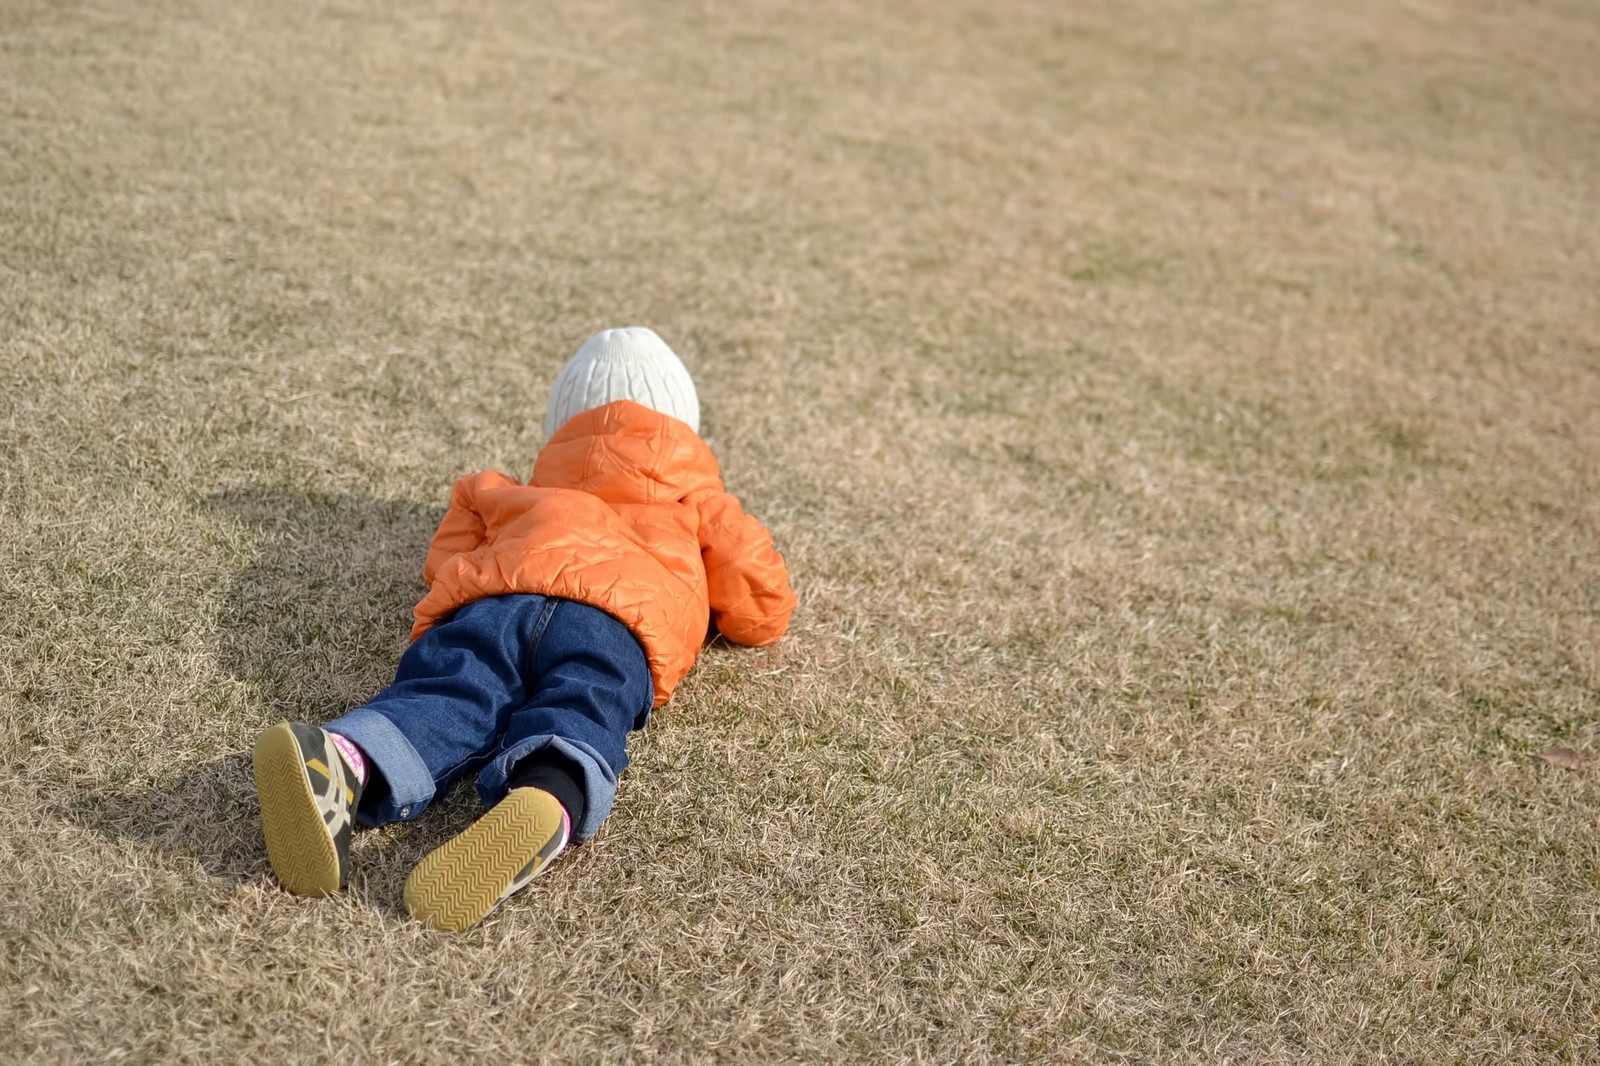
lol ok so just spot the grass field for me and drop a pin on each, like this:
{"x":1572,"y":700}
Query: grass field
{"x":1182,"y":421}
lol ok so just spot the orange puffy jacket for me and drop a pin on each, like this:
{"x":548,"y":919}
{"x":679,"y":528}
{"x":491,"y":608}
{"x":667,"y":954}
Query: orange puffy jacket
{"x":625,"y":511}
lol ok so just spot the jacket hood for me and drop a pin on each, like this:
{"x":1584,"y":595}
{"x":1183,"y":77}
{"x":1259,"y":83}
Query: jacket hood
{"x":625,"y":452}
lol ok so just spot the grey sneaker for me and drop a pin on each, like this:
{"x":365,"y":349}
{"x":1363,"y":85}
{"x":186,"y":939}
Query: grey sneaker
{"x":458,"y":883}
{"x":308,"y":803}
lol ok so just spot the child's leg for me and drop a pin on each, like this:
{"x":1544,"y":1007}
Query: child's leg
{"x":451,"y":697}
{"x":553,"y":773}
{"x":591,"y":687}
{"x":388,"y":760}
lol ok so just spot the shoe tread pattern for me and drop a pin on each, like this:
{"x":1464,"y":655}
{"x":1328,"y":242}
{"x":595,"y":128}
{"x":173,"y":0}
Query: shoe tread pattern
{"x":458,"y":883}
{"x":301,"y":849}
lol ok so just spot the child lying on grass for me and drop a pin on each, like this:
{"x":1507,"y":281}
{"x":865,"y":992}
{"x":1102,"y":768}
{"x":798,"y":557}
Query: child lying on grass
{"x":559,"y":614}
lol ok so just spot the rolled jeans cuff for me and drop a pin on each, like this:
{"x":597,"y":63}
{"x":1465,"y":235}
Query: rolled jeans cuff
{"x":409,"y":784}
{"x":599,"y":780}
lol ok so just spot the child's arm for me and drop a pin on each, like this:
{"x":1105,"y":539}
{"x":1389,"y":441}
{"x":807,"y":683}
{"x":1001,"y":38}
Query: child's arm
{"x":462,"y":529}
{"x":751,"y":599}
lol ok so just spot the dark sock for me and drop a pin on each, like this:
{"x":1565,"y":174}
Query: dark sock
{"x":554,"y":773}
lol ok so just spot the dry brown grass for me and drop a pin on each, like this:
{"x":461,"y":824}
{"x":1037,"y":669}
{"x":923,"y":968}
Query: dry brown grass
{"x":1183,"y":421}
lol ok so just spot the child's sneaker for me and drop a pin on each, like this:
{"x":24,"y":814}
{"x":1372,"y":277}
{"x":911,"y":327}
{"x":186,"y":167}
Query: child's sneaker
{"x":467,"y":876}
{"x":308,"y":802}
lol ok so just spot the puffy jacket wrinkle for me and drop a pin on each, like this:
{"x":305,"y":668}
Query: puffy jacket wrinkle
{"x":625,"y":511}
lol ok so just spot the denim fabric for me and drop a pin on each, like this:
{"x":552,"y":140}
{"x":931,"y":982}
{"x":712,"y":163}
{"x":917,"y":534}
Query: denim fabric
{"x":501,"y":678}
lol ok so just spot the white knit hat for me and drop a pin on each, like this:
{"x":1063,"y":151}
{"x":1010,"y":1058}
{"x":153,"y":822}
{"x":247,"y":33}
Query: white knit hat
{"x":623,"y":364}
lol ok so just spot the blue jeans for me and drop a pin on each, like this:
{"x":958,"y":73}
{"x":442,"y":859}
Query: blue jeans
{"x":498,"y":680}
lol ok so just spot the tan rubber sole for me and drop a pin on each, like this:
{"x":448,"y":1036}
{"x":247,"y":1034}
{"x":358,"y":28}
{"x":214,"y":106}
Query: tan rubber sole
{"x":302,"y":852}
{"x":458,"y":883}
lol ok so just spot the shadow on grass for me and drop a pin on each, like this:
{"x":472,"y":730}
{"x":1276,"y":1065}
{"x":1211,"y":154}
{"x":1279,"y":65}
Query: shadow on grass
{"x":318,"y":623}
{"x":209,"y":815}
{"x":315,"y":626}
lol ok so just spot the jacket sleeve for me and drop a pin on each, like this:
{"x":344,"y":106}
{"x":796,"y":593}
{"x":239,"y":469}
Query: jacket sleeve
{"x":751,"y":598}
{"x":462,"y":529}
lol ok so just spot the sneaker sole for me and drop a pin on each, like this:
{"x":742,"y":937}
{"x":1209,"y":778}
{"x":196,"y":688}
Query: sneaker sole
{"x":458,"y":883}
{"x":298,"y":843}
